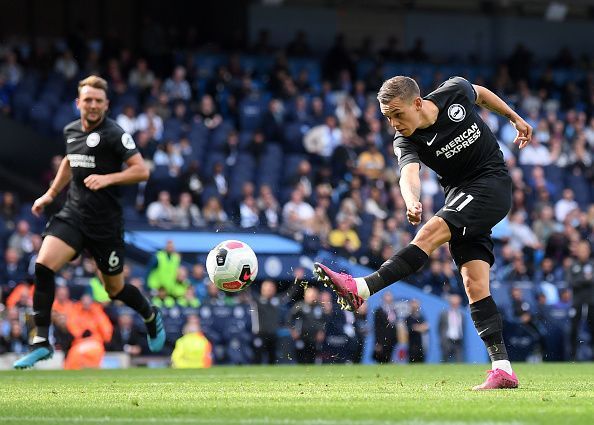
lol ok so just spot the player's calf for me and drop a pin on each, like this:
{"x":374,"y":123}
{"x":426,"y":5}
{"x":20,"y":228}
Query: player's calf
{"x":489,"y":325}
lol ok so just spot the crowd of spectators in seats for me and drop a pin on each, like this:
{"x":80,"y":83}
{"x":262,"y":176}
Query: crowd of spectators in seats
{"x":290,"y":140}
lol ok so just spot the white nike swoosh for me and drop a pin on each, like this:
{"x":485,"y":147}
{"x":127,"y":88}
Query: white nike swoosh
{"x":450,"y":209}
{"x":483,"y":331}
{"x":72,"y":139}
{"x":432,"y":140}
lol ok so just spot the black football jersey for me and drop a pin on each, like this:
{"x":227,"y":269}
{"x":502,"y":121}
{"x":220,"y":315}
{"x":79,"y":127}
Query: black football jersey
{"x":459,"y":146}
{"x":103,"y":150}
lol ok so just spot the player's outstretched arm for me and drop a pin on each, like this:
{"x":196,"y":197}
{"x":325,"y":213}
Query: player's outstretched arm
{"x":410,"y":188}
{"x":136,"y":172}
{"x":487,"y":99}
{"x":62,"y":178}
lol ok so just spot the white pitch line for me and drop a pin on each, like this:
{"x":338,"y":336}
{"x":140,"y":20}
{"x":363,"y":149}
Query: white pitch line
{"x":248,"y":421}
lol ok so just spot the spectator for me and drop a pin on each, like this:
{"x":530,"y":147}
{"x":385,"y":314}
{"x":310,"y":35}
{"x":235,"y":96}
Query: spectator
{"x":151,"y":122}
{"x":177,"y":87}
{"x":161,"y":213}
{"x":344,"y":237}
{"x":417,"y":328}
{"x":302,"y":178}
{"x":451,"y":331}
{"x":91,"y":329}
{"x":580,"y":277}
{"x":9,"y":210}
{"x":307,"y":326}
{"x":127,"y":337}
{"x":163,"y":268}
{"x":370,"y":162}
{"x":297,"y":215}
{"x":385,"y":321}
{"x":12,"y":271}
{"x":269,"y":208}
{"x":199,"y":281}
{"x":127,"y":119}
{"x":187,"y":214}
{"x":265,"y":326}
{"x":62,"y":302}
{"x":213,"y":213}
{"x":11,"y":69}
{"x":66,"y":66}
{"x":521,"y":235}
{"x":545,"y":225}
{"x":15,"y":341}
{"x":565,"y":205}
{"x":321,"y":140}
{"x":534,"y":154}
{"x":249,"y":214}
{"x":22,"y":239}
{"x":207,"y":113}
{"x":192,"y":350}
{"x":219,"y":180}
{"x":141,"y":77}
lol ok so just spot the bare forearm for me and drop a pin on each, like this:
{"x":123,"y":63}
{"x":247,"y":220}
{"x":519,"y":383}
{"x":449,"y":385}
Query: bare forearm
{"x":62,"y":178}
{"x":489,"y":100}
{"x":133,"y":174}
{"x":410,"y":188}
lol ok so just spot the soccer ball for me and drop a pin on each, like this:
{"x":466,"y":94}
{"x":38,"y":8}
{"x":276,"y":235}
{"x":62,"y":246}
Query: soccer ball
{"x":232,"y":265}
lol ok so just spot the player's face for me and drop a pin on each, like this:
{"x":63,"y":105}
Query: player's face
{"x":403,"y":115}
{"x":92,"y":104}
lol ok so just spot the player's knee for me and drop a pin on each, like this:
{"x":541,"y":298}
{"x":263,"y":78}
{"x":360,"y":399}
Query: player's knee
{"x":476,"y":288}
{"x":432,"y":235}
{"x":113,"y":289}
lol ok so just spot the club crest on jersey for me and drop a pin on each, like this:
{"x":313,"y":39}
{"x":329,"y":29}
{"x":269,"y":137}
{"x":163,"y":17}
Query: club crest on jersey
{"x":456,"y":112}
{"x":93,"y":140}
{"x":128,"y":141}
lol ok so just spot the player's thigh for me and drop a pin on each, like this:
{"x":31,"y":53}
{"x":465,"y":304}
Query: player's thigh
{"x":108,"y":254}
{"x":61,"y":243}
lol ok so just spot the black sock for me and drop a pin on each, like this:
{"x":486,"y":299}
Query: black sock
{"x":404,"y":263}
{"x":488,"y":323}
{"x":43,"y":299}
{"x":131,"y":296}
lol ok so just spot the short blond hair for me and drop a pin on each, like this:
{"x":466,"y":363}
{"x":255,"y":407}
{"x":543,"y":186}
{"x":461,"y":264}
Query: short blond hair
{"x":93,"y":81}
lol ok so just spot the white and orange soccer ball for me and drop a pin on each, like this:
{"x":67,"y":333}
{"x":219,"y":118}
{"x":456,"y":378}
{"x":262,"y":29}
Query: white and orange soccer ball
{"x":232,"y":265}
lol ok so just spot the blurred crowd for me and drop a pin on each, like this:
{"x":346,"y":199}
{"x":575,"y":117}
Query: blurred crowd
{"x":279,"y":139}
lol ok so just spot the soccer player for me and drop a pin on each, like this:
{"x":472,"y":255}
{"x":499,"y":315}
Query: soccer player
{"x":91,"y":218}
{"x":444,"y":131}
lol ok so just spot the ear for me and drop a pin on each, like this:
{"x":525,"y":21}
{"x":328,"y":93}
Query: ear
{"x":418,"y":103}
{"x":77,"y":103}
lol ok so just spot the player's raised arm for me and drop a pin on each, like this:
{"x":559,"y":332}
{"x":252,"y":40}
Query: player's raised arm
{"x":487,"y":99}
{"x":135,"y":172}
{"x":63,"y":177}
{"x":410,"y":187}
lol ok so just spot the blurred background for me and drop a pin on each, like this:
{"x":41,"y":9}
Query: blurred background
{"x":259,"y":122}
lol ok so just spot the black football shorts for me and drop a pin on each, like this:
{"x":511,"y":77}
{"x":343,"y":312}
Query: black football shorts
{"x":107,"y":252}
{"x":471,"y":210}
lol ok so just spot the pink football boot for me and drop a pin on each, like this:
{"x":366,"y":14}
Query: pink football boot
{"x":498,"y":379}
{"x":343,"y":284}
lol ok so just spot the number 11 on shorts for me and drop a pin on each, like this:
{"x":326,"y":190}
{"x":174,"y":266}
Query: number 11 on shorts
{"x":464,"y":201}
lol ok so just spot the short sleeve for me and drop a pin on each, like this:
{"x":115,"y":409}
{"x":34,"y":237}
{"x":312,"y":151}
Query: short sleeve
{"x":123,"y":144}
{"x":465,"y":87}
{"x":405,"y":151}
{"x":454,"y":90}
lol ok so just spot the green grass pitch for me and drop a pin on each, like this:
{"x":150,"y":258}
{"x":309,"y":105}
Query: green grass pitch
{"x":297,"y":395}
